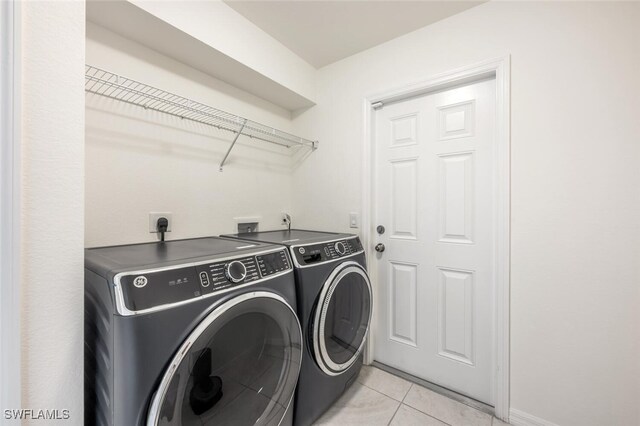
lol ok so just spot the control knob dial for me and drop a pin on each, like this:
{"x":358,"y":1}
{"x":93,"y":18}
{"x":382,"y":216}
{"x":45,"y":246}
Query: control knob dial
{"x":341,"y":249}
{"x":235,"y":271}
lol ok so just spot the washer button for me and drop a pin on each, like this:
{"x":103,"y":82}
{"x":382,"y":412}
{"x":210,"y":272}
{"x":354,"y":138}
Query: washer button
{"x":204,"y":279}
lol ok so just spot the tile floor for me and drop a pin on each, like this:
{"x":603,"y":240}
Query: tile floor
{"x":380,"y":398}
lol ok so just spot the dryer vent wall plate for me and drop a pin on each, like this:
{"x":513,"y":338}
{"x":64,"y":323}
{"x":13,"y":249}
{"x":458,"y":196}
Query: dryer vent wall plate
{"x":247,"y":227}
{"x":247,"y":224}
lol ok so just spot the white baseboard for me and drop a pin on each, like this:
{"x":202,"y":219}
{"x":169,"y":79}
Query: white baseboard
{"x":520,"y":418}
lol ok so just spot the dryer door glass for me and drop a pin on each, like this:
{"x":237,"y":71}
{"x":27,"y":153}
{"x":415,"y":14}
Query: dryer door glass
{"x":239,"y":367}
{"x":342,"y":318}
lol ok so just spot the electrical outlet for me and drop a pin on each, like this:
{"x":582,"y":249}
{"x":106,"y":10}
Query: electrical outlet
{"x":285,"y":218}
{"x":153,"y":221}
{"x":353,"y":220}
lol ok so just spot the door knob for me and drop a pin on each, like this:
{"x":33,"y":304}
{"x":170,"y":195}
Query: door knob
{"x":379,"y":247}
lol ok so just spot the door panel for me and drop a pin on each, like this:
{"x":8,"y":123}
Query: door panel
{"x":455,"y":206}
{"x":456,"y":321}
{"x":404,"y":130}
{"x":435,"y":195}
{"x":456,"y":120}
{"x":402,"y":307}
{"x":404,"y":199}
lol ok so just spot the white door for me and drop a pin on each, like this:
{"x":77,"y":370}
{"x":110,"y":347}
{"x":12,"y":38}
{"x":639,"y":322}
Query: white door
{"x":435,"y":197}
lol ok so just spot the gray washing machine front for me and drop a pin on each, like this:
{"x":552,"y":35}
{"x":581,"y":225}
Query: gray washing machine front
{"x":190,"y":332}
{"x":334,"y":305}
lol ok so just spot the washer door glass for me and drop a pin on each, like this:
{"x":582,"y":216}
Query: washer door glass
{"x":342,"y":318}
{"x":239,"y":366}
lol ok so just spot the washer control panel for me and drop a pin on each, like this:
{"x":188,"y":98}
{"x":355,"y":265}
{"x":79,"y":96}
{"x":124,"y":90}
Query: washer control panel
{"x":324,"y":252}
{"x":142,"y":291}
{"x":221,"y":275}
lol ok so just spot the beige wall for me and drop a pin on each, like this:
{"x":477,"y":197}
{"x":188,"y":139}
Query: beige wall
{"x":53,"y":206}
{"x":138,"y":161}
{"x":575,"y":198}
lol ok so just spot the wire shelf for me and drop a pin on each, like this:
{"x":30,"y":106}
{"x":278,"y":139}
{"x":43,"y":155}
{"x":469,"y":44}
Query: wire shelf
{"x":110,"y":85}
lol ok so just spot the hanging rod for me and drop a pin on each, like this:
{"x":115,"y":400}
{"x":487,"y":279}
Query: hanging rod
{"x":114,"y":86}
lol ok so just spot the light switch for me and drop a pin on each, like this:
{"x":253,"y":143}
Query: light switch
{"x":353,"y":220}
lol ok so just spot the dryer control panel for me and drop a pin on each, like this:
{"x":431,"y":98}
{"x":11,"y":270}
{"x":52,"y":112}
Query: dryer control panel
{"x":324,"y":252}
{"x":146,"y":290}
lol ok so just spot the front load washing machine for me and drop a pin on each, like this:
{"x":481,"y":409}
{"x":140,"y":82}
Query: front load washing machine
{"x":190,"y":332}
{"x":334,"y":305}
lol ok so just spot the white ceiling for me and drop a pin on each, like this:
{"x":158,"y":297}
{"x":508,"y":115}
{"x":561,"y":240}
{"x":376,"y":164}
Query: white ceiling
{"x":322,"y":32}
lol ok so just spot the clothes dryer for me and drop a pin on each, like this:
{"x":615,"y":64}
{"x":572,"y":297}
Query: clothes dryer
{"x":334,"y":299}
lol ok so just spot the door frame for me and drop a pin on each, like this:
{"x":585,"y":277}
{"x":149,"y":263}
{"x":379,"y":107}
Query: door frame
{"x":10,"y":203}
{"x":499,"y":69}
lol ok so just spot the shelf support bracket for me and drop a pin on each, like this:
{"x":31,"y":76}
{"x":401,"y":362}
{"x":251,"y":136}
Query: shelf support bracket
{"x":235,"y":139}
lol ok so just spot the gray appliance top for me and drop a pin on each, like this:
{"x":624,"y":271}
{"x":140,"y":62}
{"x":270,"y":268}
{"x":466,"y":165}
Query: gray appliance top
{"x":292,"y":237}
{"x":108,"y":260}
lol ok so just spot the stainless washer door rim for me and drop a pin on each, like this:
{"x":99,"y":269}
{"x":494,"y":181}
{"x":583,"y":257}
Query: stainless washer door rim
{"x":153,"y":415}
{"x":323,"y":359}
